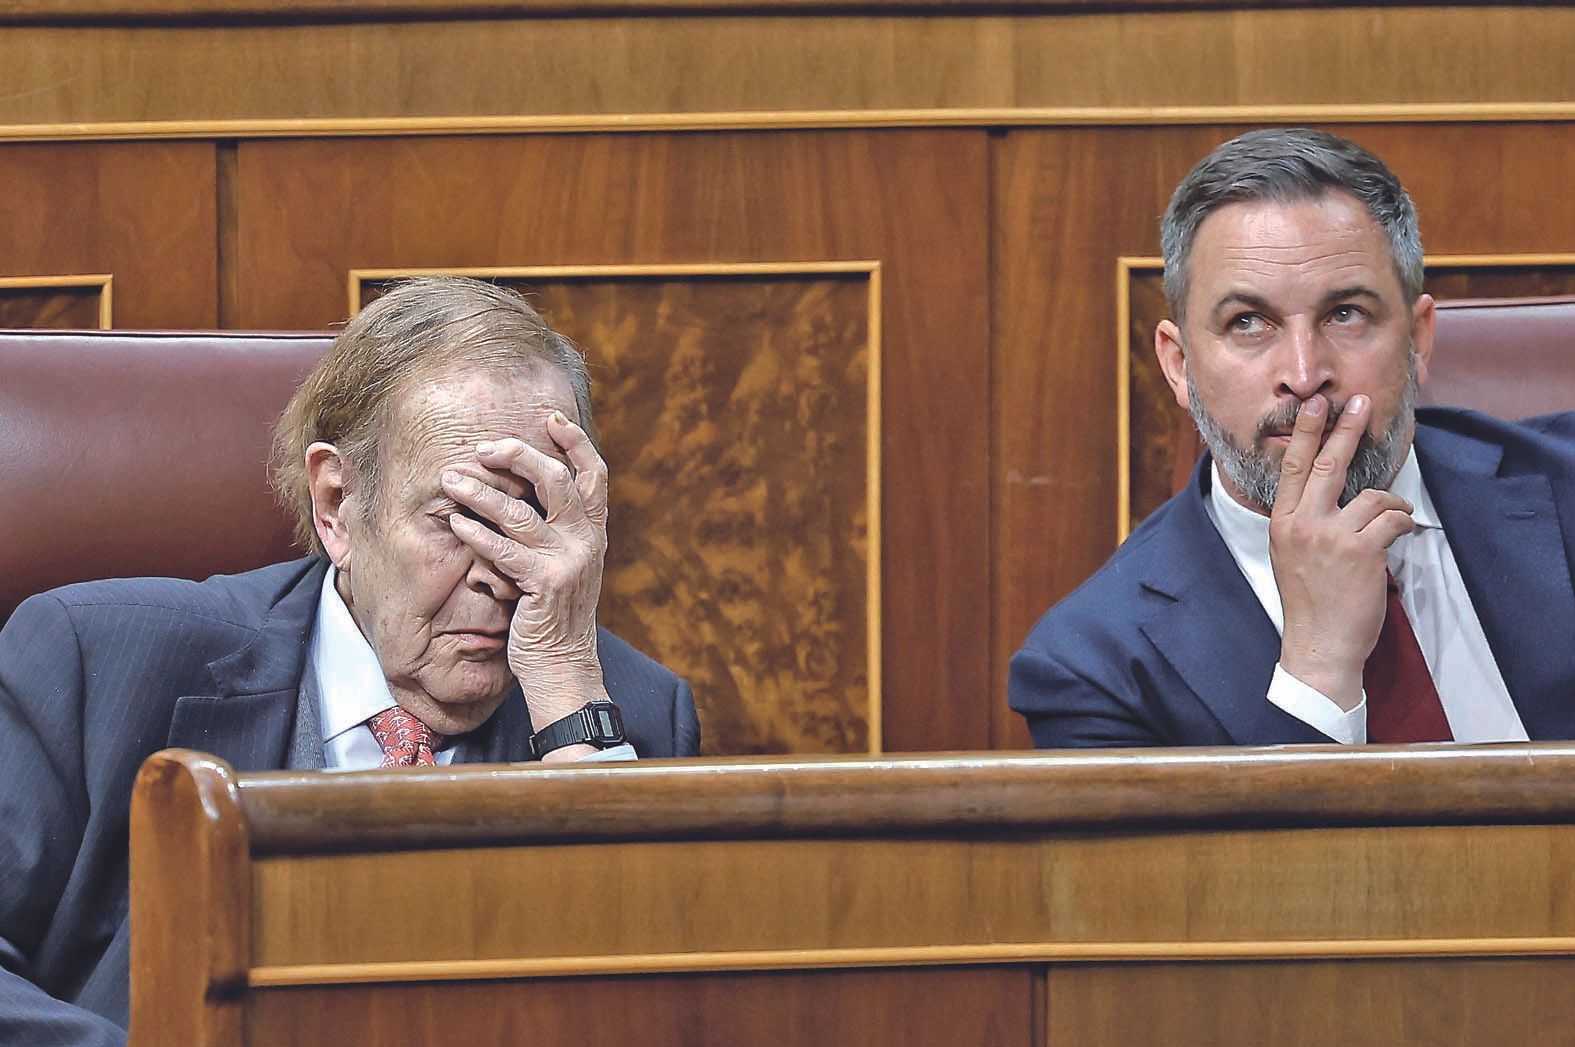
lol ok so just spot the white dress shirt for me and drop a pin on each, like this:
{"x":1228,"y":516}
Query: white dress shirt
{"x":351,"y":689}
{"x":1476,"y":701}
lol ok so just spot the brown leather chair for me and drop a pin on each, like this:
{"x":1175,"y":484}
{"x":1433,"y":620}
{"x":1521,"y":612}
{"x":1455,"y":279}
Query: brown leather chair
{"x":1510,"y":357}
{"x":138,"y":453}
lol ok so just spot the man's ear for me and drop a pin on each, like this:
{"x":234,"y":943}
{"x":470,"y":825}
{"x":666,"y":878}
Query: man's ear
{"x":327,"y":476}
{"x":1172,"y":356}
{"x":1424,"y":319}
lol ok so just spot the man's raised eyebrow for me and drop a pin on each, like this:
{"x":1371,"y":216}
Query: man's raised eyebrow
{"x":1345,"y":293}
{"x":1246,"y":298}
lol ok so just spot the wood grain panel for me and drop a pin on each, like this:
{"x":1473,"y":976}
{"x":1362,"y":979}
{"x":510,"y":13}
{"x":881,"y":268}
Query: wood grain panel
{"x":1464,"y":882}
{"x":1466,"y":1003}
{"x":310,"y":211}
{"x":738,"y":408}
{"x":855,"y":1009}
{"x":143,"y":212}
{"x":1060,"y":221}
{"x":734,"y":61}
{"x":1164,"y":444}
{"x":1479,"y":189}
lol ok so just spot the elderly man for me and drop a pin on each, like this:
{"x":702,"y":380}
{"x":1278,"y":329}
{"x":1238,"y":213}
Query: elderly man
{"x":454,"y":508}
{"x":1342,"y":567}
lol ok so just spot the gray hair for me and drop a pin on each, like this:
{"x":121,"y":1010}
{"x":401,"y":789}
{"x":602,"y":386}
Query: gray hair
{"x":1288,"y":165}
{"x":422,"y":328}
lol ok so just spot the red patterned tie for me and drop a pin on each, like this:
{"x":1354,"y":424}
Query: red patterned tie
{"x":406,"y":741}
{"x":1402,"y":703}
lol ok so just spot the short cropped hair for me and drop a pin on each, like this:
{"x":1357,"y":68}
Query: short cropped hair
{"x":1285,"y":166}
{"x":422,"y":328}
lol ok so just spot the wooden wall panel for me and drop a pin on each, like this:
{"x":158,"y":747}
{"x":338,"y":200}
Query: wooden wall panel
{"x":740,"y":62}
{"x":810,"y":899}
{"x":1067,"y":204}
{"x":309,"y":211}
{"x":1456,"y":1003}
{"x":897,"y":1008}
{"x":140,"y":212}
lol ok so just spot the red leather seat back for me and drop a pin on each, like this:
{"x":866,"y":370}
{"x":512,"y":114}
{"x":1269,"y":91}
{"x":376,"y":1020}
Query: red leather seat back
{"x":1509,"y":357}
{"x":134,"y":453}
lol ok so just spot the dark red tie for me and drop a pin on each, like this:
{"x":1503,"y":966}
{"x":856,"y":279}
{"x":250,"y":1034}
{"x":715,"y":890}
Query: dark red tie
{"x":1402,"y":703}
{"x":406,"y":741}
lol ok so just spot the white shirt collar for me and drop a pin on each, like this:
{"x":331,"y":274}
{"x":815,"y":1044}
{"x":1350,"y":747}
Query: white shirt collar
{"x":350,"y":682}
{"x":1241,"y":525}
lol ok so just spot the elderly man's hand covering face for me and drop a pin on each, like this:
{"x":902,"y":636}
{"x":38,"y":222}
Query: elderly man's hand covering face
{"x":461,"y":585}
{"x":554,"y":560}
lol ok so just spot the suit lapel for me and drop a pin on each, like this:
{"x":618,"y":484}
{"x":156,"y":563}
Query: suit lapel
{"x":1506,"y":537}
{"x":1214,"y":632}
{"x":247,"y":715}
{"x":249,"y":731}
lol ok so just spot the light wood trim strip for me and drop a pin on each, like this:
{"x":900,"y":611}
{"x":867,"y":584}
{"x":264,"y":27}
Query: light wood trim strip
{"x":1124,"y":267}
{"x":653,"y":270}
{"x":873,"y":544}
{"x":88,"y":280}
{"x":89,"y":12}
{"x":1061,"y":116}
{"x":905,"y":956}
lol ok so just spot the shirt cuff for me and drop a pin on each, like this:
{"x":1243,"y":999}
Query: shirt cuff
{"x":1318,"y":710}
{"x":613,"y":755}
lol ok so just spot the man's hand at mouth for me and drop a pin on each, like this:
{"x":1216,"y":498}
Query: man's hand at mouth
{"x":1330,"y":562}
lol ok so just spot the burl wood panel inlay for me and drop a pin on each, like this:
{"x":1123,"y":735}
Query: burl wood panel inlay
{"x":1164,"y":445}
{"x":734,"y":417}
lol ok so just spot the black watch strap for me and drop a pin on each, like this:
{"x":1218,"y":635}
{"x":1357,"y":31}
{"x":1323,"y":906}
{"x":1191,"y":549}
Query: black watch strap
{"x":597,"y":723}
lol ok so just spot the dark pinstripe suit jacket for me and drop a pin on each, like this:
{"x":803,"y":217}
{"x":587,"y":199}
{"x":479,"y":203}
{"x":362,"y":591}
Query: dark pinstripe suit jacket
{"x":96,"y":677}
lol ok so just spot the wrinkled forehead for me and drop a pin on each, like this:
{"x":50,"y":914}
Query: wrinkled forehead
{"x":436,"y":422}
{"x":1330,"y":236}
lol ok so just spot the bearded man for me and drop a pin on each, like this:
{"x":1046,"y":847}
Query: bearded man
{"x":1342,"y":567}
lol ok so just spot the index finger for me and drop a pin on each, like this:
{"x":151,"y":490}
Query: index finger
{"x":1306,"y":437}
{"x":1327,"y":480}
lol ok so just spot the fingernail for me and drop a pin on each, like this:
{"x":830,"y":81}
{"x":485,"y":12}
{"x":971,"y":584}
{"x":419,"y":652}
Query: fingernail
{"x":560,"y":418}
{"x":486,"y":447}
{"x":1358,"y":403}
{"x":1314,"y":407}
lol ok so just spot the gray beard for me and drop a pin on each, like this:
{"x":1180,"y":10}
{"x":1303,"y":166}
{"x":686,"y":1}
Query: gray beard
{"x":1257,"y":475}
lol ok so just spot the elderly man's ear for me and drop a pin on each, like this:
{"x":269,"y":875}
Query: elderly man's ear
{"x":327,"y":474}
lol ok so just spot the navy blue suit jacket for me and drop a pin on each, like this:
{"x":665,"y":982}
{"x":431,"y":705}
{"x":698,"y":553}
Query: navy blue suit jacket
{"x":1168,"y":645}
{"x":96,"y":677}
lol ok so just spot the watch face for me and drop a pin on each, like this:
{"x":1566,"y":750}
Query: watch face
{"x":605,"y":728}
